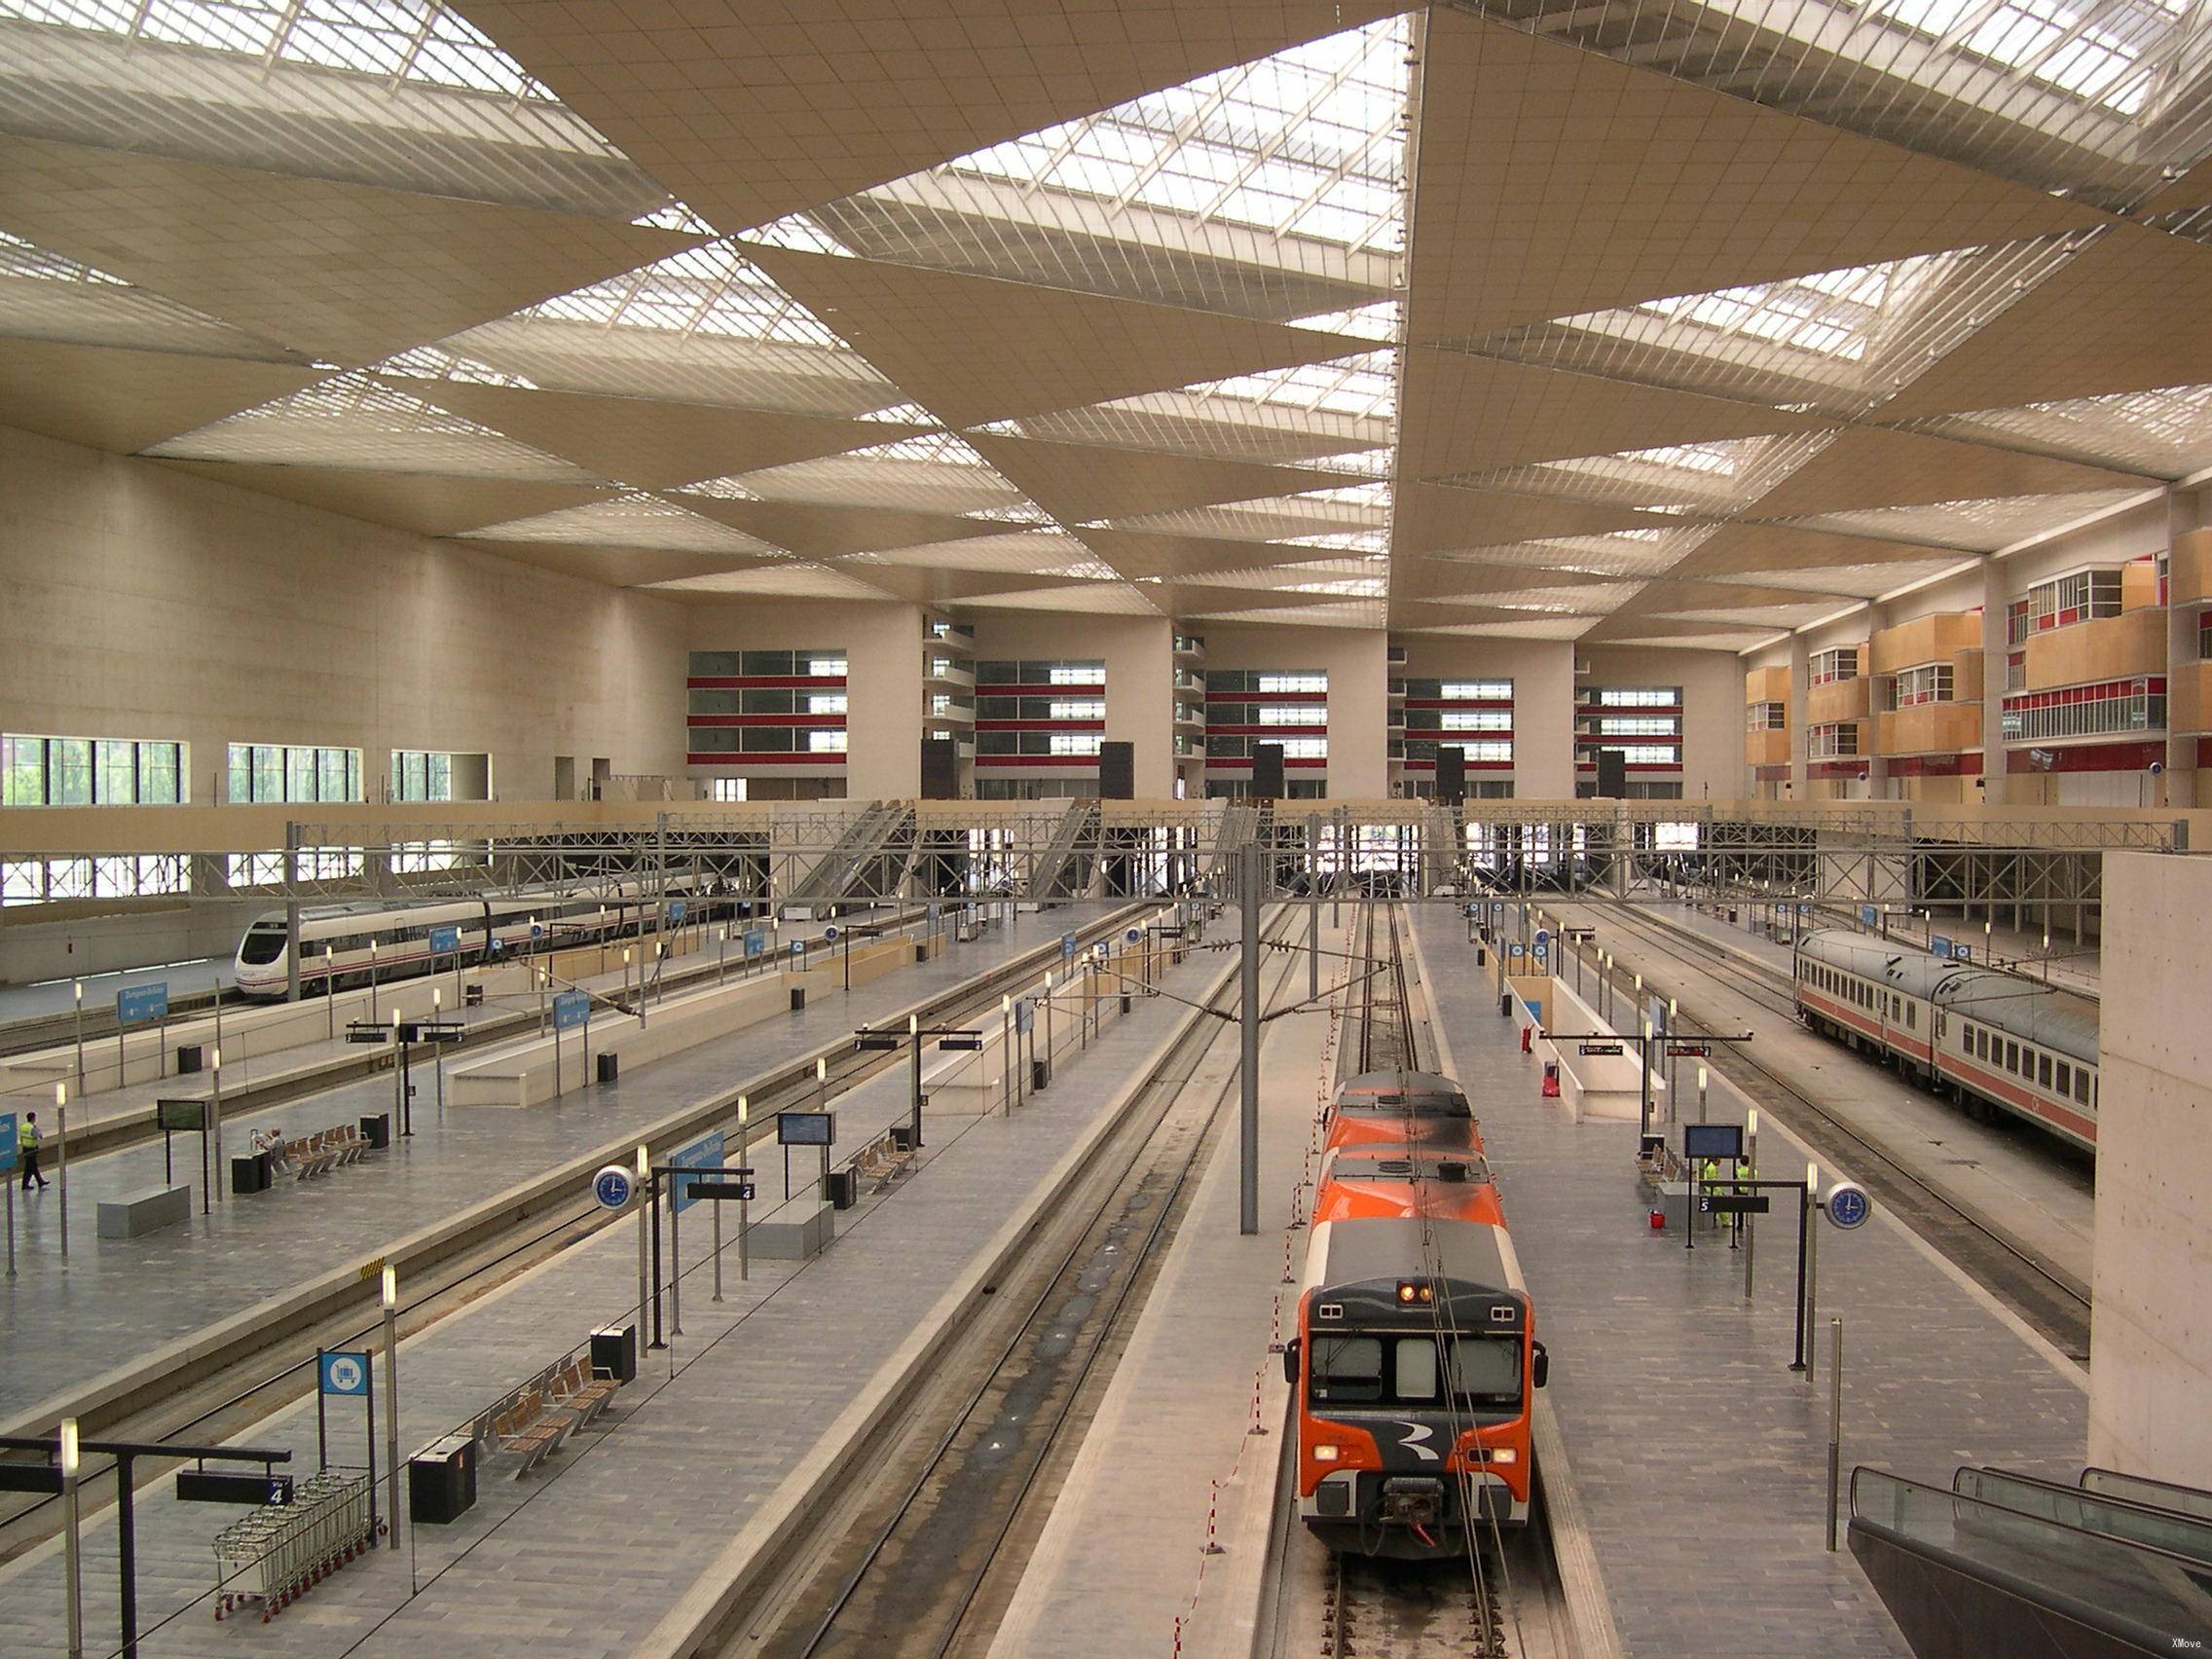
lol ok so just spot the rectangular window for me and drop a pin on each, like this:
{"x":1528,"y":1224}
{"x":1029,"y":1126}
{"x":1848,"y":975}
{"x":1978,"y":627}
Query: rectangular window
{"x":1840,"y":741}
{"x":276,"y":772}
{"x":1346,"y":1369}
{"x":2065,"y":1080}
{"x":1929,"y":682}
{"x":1766,"y":716}
{"x":1841,"y":663}
{"x":2013,"y":1057}
{"x":1413,"y":1368}
{"x":2042,"y":1071}
{"x":84,"y":771}
{"x":2082,"y":1086}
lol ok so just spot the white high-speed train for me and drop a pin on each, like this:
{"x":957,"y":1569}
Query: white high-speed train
{"x":339,"y":944}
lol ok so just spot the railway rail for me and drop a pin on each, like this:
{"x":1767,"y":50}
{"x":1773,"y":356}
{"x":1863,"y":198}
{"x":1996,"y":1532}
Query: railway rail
{"x":2052,"y":1299}
{"x":227,"y":1392}
{"x":925,"y":1561}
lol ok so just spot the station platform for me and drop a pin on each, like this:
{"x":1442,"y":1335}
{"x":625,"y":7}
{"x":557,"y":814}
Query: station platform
{"x":115,"y":1304}
{"x":58,"y":996}
{"x":1197,"y":1375}
{"x":1698,"y":1454}
{"x":623,"y":1538}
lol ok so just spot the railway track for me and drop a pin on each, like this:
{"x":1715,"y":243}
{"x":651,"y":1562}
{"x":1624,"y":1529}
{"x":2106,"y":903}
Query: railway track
{"x":242,"y":1385}
{"x":2055,"y":1302}
{"x":924,"y":1561}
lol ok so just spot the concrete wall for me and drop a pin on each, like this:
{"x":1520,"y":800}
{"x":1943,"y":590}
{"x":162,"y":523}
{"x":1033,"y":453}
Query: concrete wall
{"x":146,"y":602}
{"x":1542,"y":672}
{"x":883,"y":679}
{"x":1140,"y":668}
{"x":1359,"y":703}
{"x":1712,"y":708}
{"x":2150,"y":1343}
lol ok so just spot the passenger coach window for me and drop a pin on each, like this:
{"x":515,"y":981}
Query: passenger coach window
{"x":1347,"y":1368}
{"x":2065,"y":1077}
{"x":1486,"y":1370}
{"x":2081,"y":1087}
{"x":2013,"y":1057}
{"x":2042,"y":1070}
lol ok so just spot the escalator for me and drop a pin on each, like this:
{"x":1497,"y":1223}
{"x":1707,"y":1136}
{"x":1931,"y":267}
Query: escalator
{"x":2029,"y":1569}
{"x":867,"y":864}
{"x":1064,"y":870}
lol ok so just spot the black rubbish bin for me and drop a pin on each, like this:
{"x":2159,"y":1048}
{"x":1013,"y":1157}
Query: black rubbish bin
{"x":842,"y":1188}
{"x":441,"y":1481}
{"x":251,"y":1174}
{"x":475,"y":996}
{"x":798,"y":999}
{"x":1505,"y":1005}
{"x":610,"y":1067}
{"x":902,"y":1136}
{"x":1482,"y":957}
{"x":1040,"y":1074}
{"x":377,"y":1130}
{"x":190,"y":1057}
{"x":614,"y":1352}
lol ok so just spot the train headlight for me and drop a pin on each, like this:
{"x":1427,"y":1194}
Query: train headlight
{"x":1409,"y":1292}
{"x":1504,"y":1455}
{"x":1326,"y":1454}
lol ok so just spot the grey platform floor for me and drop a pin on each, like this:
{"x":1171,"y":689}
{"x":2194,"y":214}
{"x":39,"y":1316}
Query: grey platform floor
{"x":64,"y":1323}
{"x":1700,"y":1458}
{"x":583,"y":1557}
{"x":55,"y":996}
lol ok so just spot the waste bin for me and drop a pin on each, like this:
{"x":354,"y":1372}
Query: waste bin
{"x":190,"y":1057}
{"x":614,"y":1352}
{"x":1040,"y":1074}
{"x":251,"y":1174}
{"x":842,"y":1189}
{"x":474,"y":997}
{"x":902,"y":1136}
{"x":608,"y":1066}
{"x":441,"y":1481}
{"x":377,"y":1130}
{"x":1505,"y":1005}
{"x":1482,"y":957}
{"x":798,"y":999}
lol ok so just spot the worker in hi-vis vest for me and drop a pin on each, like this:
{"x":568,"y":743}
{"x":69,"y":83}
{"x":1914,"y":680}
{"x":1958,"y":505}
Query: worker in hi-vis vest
{"x":26,"y":1145}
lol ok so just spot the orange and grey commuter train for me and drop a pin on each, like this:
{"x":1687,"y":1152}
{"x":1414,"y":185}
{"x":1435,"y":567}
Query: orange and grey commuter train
{"x":1414,"y":1362}
{"x":1995,"y":1041}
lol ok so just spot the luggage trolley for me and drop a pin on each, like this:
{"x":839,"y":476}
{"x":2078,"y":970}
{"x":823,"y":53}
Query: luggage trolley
{"x":275,"y":1556}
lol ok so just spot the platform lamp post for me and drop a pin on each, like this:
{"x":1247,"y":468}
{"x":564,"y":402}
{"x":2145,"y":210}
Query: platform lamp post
{"x":215,"y":1115}
{"x":744,"y":1205}
{"x":390,"y":1300}
{"x":645,"y":1212}
{"x":329,"y":997}
{"x":79,"y":987}
{"x":1750,"y":1221}
{"x":72,"y":1555}
{"x":914,"y":1032}
{"x":625,"y":970}
{"x":61,"y":1159}
{"x":372,"y":981}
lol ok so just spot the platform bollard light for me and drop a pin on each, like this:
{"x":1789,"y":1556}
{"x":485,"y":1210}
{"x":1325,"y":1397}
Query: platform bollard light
{"x":438,"y":1053}
{"x":722,"y":954}
{"x":61,"y":1159}
{"x":1701,"y":1082}
{"x":390,"y":1298}
{"x":79,"y":986}
{"x":744,"y":1206}
{"x":821,"y":1082}
{"x":1006,"y":1051}
{"x":1835,"y":1421}
{"x":1812,"y":1258}
{"x":1751,"y":1222}
{"x":72,"y":1556}
{"x":215,"y":1114}
{"x":645,"y":1210}
{"x":372,"y":981}
{"x":625,"y":969}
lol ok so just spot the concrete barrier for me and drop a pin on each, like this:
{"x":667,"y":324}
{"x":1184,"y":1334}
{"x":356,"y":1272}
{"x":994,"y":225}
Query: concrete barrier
{"x":134,"y":1214}
{"x":534,"y":1071}
{"x":1595,"y":1085}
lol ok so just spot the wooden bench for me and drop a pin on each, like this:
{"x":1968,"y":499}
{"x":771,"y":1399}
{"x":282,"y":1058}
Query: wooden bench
{"x":531,"y":1432}
{"x":575,"y":1390}
{"x":884,"y":1159}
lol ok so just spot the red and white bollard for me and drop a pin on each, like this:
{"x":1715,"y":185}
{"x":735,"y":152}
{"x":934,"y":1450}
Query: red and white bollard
{"x":1213,"y":1507}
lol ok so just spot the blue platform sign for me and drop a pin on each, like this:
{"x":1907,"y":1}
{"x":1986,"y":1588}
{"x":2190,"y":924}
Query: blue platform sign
{"x":571,"y":1009}
{"x":9,"y":1150}
{"x":756,"y":942}
{"x":1133,"y":935}
{"x":798,"y":948}
{"x":1848,"y":1206}
{"x":678,"y":909}
{"x":1868,"y":916}
{"x":705,"y":1153}
{"x":1938,"y":945}
{"x":1804,"y":909}
{"x":139,"y":1002}
{"x":829,"y":934}
{"x":1067,"y":947}
{"x":538,"y":930}
{"x":1961,"y":951}
{"x":443,"y":939}
{"x":344,"y":1374}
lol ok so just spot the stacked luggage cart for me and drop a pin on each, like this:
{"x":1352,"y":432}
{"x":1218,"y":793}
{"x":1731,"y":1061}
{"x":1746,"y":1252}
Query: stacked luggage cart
{"x":275,"y":1555}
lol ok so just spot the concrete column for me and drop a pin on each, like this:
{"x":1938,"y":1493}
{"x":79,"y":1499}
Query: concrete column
{"x":2185,"y":512}
{"x":1800,"y":744}
{"x":1996,"y":592}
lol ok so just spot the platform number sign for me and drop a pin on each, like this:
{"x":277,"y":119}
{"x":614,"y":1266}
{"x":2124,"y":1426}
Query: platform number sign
{"x":1938,"y":945}
{"x":678,"y":909}
{"x":1067,"y":947}
{"x":613,"y":1187}
{"x":1869,"y":915}
{"x":1848,"y":1206}
{"x":345,"y":1373}
{"x":755,"y":941}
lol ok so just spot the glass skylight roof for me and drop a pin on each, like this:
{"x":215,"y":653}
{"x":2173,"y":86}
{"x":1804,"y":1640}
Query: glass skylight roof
{"x":1343,"y":510}
{"x":1619,"y":553}
{"x":49,"y":296}
{"x":1713,"y":477}
{"x":2100,"y":100}
{"x":1844,"y":341}
{"x":633,"y":519}
{"x":927,"y":471}
{"x":1854,"y":581}
{"x":402,"y":40}
{"x":1305,"y":143}
{"x":355,"y":420}
{"x":1038,"y":553}
{"x":1976,"y":526}
{"x":2166,"y":432}
{"x":712,"y":290}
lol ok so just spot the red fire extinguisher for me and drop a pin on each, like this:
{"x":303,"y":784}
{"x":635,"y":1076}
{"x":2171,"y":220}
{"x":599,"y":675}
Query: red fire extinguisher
{"x":1528,"y":1037}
